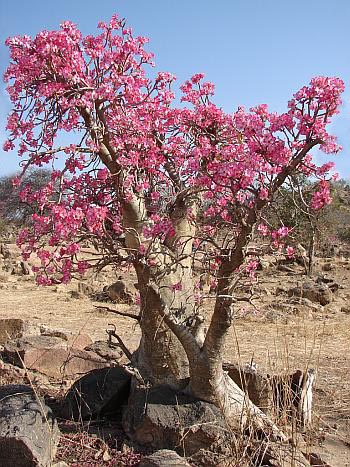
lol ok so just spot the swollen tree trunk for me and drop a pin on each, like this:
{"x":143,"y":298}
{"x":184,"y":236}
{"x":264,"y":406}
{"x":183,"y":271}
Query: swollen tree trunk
{"x":161,"y":358}
{"x":169,"y":352}
{"x":209,"y":382}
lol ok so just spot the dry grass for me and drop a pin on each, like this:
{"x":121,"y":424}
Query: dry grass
{"x":320,"y":341}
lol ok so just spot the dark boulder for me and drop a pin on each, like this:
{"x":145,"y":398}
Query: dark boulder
{"x":29,"y":433}
{"x":97,"y":394}
{"x":161,"y":418}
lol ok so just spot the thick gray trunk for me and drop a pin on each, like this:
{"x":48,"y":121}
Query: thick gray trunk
{"x":160,"y":358}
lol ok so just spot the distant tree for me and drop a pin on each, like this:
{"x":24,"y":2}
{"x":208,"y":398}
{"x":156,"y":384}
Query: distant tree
{"x":142,"y":171}
{"x":12,"y":209}
{"x":313,"y":229}
{"x":337,"y":216}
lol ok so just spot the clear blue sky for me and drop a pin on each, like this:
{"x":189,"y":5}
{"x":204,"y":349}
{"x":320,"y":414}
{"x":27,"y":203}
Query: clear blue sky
{"x":255,"y":51}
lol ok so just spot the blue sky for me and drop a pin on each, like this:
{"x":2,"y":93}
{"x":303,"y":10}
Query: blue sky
{"x":255,"y":51}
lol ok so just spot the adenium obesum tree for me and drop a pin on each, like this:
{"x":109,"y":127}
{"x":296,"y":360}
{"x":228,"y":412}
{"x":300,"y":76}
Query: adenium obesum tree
{"x":156,"y":186}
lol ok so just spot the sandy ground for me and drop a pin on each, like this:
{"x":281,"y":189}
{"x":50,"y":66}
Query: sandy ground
{"x":319,"y":339}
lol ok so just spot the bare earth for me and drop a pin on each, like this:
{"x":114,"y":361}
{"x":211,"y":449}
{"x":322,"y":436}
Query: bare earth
{"x":274,"y":337}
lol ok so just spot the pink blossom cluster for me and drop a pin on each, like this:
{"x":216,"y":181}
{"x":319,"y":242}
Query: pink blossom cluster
{"x":321,"y":197}
{"x":132,"y":143}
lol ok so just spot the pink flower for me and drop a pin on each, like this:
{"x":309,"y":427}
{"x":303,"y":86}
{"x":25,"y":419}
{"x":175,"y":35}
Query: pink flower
{"x":321,"y":197}
{"x":197,"y":77}
{"x":135,"y":150}
{"x":263,"y":230}
{"x":290,"y":251}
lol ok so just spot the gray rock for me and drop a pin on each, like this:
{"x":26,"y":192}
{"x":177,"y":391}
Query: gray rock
{"x":328,"y":267}
{"x":317,"y":293}
{"x":99,"y":393}
{"x":29,"y":433}
{"x":85,"y":289}
{"x":13,"y":328}
{"x":119,"y":292}
{"x":105,"y":350}
{"x":53,"y":356}
{"x":255,"y":384}
{"x":161,"y":418}
{"x":164,"y":458}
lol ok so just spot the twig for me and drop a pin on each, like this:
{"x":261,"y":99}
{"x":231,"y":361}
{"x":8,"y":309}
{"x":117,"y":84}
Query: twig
{"x":122,"y":313}
{"x":111,"y":333}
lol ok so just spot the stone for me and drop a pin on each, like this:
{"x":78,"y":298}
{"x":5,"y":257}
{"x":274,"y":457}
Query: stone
{"x":13,"y":328}
{"x":85,"y":289}
{"x":10,"y":374}
{"x":75,"y":294}
{"x":274,"y":394}
{"x":61,"y":333}
{"x":255,"y":384}
{"x":162,"y":418}
{"x":99,"y":393}
{"x":317,"y":293}
{"x":328,"y":267}
{"x":78,"y":341}
{"x":330,"y":309}
{"x":281,"y":290}
{"x":4,"y":276}
{"x":71,"y":340}
{"x":164,"y":458}
{"x":330,"y":282}
{"x":29,"y":433}
{"x":9,"y":251}
{"x":26,"y":269}
{"x":52,"y":356}
{"x":106,"y":350}
{"x":305,"y":303}
{"x":285,"y":268}
{"x":118,"y":292}
{"x":61,"y":363}
{"x":16,"y":349}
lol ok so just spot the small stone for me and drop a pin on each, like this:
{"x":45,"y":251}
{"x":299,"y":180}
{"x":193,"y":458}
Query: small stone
{"x":75,"y":294}
{"x":119,"y":292}
{"x":105,"y":350}
{"x":85,"y":289}
{"x":164,"y":458}
{"x":13,"y":328}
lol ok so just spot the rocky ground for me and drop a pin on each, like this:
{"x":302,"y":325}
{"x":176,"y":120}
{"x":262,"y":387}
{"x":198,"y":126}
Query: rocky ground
{"x":288,"y":323}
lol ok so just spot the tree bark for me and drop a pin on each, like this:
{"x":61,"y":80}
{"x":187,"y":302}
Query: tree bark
{"x":160,"y":358}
